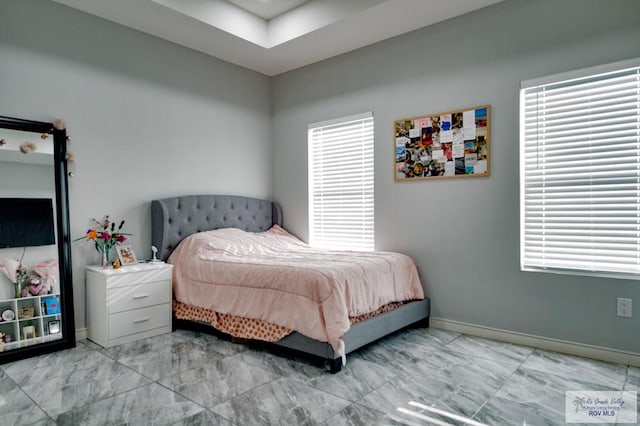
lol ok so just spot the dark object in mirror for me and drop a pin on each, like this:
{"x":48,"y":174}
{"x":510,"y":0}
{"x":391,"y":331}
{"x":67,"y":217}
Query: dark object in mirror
{"x":26,"y":222}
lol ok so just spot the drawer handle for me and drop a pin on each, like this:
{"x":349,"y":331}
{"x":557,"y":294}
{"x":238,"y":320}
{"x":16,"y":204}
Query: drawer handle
{"x":141,"y":320}
{"x":142,"y":296}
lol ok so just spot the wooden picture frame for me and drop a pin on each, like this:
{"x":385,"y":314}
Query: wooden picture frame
{"x":443,"y":145}
{"x":126,"y":255}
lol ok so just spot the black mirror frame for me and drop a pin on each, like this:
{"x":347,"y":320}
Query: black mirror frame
{"x":64,"y":240}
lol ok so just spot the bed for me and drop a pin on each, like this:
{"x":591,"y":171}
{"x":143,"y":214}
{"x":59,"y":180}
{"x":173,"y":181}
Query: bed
{"x":174,"y":219}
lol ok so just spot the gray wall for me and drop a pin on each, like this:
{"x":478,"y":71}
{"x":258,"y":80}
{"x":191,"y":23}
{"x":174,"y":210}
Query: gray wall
{"x":148,"y":118}
{"x":463,"y":233}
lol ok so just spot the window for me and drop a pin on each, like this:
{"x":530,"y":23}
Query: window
{"x":580,"y":172}
{"x":341,"y":183}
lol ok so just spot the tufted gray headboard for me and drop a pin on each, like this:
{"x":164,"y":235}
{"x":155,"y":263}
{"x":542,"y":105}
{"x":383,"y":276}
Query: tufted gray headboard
{"x":173,"y":219}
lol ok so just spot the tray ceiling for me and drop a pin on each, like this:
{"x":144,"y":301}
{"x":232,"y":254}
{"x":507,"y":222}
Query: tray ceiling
{"x":275,"y":36}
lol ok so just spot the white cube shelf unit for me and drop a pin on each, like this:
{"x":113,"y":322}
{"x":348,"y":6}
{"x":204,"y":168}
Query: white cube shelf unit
{"x":39,"y":319}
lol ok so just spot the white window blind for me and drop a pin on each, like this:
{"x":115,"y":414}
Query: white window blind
{"x":341,"y":183}
{"x":580,"y":172}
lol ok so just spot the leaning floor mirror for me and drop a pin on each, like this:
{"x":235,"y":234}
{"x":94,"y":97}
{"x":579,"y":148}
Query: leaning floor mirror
{"x":36,"y":292}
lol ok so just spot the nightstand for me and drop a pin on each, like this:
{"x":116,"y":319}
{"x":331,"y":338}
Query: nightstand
{"x":129,"y":303}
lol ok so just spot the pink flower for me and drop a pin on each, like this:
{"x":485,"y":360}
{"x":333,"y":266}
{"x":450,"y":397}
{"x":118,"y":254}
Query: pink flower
{"x":121,"y":238}
{"x":105,"y":236}
{"x":10,"y":268}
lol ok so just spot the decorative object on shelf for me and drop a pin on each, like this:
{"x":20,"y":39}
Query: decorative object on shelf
{"x":49,"y":273}
{"x":116,"y":264}
{"x":126,"y":255}
{"x":21,"y":282}
{"x":16,"y":273}
{"x":8,"y":315}
{"x":25,"y":284}
{"x":35,"y":287}
{"x":54,"y":327}
{"x":51,"y":304}
{"x":105,"y":236}
{"x":28,"y":331}
{"x":24,"y":313}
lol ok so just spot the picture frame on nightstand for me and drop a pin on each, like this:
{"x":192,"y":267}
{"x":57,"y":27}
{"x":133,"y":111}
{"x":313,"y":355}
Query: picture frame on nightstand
{"x":126,"y":255}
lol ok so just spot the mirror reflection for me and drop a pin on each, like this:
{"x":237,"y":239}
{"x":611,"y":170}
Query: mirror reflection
{"x":26,"y":148}
{"x":29,"y":271}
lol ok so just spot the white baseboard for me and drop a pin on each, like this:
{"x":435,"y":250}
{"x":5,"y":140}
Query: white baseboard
{"x":81,"y":334}
{"x":563,"y":346}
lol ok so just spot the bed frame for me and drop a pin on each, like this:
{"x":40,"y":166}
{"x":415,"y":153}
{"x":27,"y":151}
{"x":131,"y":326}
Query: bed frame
{"x":173,"y":219}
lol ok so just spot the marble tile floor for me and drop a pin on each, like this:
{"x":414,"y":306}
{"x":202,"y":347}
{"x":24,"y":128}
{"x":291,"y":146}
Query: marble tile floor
{"x":414,"y":377}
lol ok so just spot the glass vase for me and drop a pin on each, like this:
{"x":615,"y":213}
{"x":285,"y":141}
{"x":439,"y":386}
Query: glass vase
{"x":106,"y":262}
{"x":21,"y":282}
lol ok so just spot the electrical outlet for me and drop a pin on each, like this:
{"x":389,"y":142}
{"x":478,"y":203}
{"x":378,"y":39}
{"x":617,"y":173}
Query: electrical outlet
{"x":624,"y":307}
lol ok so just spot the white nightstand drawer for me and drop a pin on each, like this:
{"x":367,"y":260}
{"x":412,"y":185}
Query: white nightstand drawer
{"x":136,"y":274}
{"x":139,"y":296}
{"x":131,"y":322}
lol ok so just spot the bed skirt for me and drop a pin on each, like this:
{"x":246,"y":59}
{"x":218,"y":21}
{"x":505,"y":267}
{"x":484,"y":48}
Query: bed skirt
{"x":249,"y":328}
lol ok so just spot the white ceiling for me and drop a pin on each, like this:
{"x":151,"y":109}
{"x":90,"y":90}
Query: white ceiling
{"x":267,"y":9}
{"x":275,"y":36}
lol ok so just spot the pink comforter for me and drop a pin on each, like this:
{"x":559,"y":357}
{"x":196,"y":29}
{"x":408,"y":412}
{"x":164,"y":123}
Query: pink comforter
{"x":275,"y":277}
